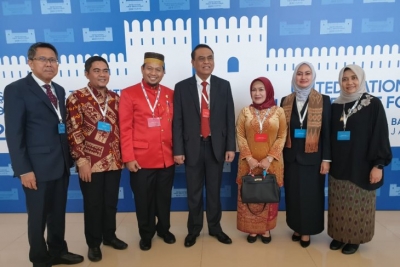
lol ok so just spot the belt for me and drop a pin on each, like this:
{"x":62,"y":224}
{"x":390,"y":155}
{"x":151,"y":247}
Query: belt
{"x":206,"y":139}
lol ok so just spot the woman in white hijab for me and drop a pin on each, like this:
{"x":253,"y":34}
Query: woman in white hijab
{"x":360,"y":150}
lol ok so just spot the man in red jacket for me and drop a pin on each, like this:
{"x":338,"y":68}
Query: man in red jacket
{"x":145,"y":118}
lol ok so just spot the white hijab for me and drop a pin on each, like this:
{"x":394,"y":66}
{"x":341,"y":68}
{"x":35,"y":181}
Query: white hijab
{"x":346,"y":97}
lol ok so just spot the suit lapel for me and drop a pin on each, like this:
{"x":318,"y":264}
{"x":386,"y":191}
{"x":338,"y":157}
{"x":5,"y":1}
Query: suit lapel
{"x":195,"y":94}
{"x":213,"y":92}
{"x":38,"y":91}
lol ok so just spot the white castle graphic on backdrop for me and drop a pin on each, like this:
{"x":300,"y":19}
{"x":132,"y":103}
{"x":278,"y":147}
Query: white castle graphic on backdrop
{"x":240,"y":49}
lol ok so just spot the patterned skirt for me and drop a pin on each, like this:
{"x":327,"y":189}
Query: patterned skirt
{"x":351,"y":212}
{"x":259,"y":220}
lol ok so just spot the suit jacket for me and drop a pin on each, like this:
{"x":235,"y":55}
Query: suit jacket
{"x":186,"y":123}
{"x":296,"y":152}
{"x":151,"y":147}
{"x":32,"y":130}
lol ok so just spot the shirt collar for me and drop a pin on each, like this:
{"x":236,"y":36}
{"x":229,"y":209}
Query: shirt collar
{"x":148,"y":87}
{"x":199,"y":80}
{"x":95,"y":91}
{"x":39,"y":81}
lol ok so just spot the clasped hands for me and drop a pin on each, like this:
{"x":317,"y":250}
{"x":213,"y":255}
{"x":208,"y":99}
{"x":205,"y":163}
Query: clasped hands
{"x":253,"y":163}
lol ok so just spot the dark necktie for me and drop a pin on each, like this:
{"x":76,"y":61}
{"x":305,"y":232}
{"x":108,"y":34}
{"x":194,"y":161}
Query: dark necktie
{"x":52,"y":97}
{"x":205,"y":120}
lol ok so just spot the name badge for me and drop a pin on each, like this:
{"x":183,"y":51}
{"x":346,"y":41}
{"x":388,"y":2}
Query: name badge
{"x":205,"y":113}
{"x":343,"y":135}
{"x":300,"y":133}
{"x":260,"y":137}
{"x":61,"y":128}
{"x":153,"y":122}
{"x":103,"y":126}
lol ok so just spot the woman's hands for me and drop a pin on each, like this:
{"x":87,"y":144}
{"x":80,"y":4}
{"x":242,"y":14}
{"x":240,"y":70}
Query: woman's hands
{"x":253,"y":163}
{"x":263,"y":164}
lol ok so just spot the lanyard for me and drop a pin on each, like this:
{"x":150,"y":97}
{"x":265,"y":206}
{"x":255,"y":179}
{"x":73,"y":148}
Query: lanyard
{"x":103,"y":112}
{"x":346,"y":116}
{"x":152,"y":108}
{"x":302,"y":117}
{"x":261,"y":122}
{"x":206,"y":99}
{"x":58,"y":111}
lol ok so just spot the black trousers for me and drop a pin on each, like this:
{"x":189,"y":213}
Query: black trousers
{"x":209,"y":171}
{"x":152,"y":193}
{"x":46,"y":207}
{"x":100,"y":199}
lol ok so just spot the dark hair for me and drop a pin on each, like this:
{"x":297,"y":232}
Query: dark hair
{"x":32,"y":49}
{"x":89,"y":62}
{"x":200,"y":46}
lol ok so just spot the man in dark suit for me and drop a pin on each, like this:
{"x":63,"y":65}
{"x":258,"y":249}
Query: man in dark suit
{"x":36,"y":137}
{"x":203,"y":138}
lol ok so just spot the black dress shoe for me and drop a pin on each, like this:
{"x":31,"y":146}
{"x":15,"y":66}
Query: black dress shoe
{"x":222,"y":237}
{"x":349,"y":249}
{"x":296,"y":238}
{"x":168,"y":237}
{"x":336,"y":245}
{"x":190,"y":240}
{"x":68,"y":258}
{"x":116,"y":243}
{"x":145,"y":244}
{"x":266,"y":239}
{"x":251,"y":239}
{"x":305,"y":244}
{"x":94,"y":254}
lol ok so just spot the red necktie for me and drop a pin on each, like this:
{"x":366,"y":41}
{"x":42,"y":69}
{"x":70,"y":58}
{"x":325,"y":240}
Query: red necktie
{"x":205,"y":120}
{"x":50,"y":94}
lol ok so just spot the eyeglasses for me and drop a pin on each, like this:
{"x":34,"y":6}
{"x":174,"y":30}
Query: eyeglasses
{"x":44,"y":60}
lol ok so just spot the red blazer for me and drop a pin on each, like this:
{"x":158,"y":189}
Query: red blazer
{"x":151,"y":147}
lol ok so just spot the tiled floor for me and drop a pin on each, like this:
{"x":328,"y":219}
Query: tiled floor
{"x":383,"y":250}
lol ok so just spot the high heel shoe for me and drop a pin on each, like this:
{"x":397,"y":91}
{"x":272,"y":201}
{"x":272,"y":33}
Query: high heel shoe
{"x":296,"y":238}
{"x":251,"y":239}
{"x":305,"y":244}
{"x":266,"y":239}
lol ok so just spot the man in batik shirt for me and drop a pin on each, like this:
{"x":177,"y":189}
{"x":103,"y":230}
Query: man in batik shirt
{"x":93,"y":135}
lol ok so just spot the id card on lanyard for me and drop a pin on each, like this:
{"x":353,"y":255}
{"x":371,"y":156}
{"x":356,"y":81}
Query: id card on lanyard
{"x":345,"y":135}
{"x":301,"y":133}
{"x":205,"y":112}
{"x":102,"y":125}
{"x":261,"y":137}
{"x":61,"y":124}
{"x":154,"y":121}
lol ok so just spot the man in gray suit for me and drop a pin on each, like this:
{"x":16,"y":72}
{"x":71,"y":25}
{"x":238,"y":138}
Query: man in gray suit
{"x":203,"y":138}
{"x":35,"y":113}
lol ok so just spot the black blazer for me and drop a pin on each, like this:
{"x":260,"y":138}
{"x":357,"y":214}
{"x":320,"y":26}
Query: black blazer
{"x":32,"y":130}
{"x":186,"y":123}
{"x":296,"y":152}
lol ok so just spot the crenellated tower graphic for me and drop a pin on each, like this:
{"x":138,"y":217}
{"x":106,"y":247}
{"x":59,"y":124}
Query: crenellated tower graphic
{"x":172,"y":39}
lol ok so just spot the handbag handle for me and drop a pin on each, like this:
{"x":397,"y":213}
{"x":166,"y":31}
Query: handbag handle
{"x":256,"y":214}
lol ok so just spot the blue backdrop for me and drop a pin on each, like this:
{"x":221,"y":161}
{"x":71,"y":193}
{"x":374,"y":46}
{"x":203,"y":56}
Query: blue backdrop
{"x":250,"y":38}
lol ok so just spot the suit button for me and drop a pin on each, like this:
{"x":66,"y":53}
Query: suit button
{"x":162,"y":130}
